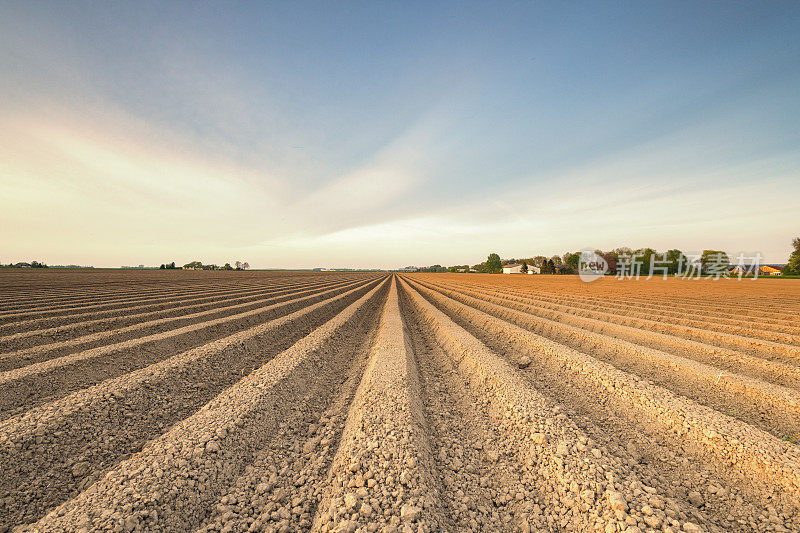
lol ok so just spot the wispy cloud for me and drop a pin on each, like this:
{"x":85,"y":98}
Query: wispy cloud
{"x":371,"y":139}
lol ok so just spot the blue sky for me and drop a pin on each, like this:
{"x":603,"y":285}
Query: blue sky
{"x":385,"y":134}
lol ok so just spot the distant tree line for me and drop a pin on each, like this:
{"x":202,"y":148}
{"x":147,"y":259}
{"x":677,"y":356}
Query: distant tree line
{"x":671,"y":262}
{"x":198,"y":265}
{"x":24,"y":264}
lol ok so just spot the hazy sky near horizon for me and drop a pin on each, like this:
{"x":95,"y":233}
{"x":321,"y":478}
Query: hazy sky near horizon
{"x":384,"y":134}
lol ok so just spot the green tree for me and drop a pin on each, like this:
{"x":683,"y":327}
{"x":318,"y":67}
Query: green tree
{"x":792,"y":267}
{"x":572,"y":260}
{"x":714,"y":261}
{"x":645,"y":257}
{"x":524,"y":268}
{"x":493,"y":264}
{"x":676,"y":261}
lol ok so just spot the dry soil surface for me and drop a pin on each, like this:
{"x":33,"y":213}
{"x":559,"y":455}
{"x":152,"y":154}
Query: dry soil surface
{"x":355,"y":401}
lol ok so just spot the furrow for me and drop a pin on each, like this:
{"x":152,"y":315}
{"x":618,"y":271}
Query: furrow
{"x":51,"y":452}
{"x":762,"y":404}
{"x":177,"y":479}
{"x":25,"y":387}
{"x":786,"y":333}
{"x":106,"y":336}
{"x":580,"y":487}
{"x":119,"y":298}
{"x":486,"y":479}
{"x":738,"y":307}
{"x":120,"y":305}
{"x":56,"y":322}
{"x":383,"y":475}
{"x":748,"y":344}
{"x":762,"y":365}
{"x":735,"y":455}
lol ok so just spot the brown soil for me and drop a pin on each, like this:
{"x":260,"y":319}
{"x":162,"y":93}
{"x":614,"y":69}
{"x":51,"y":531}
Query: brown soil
{"x":304,"y":401}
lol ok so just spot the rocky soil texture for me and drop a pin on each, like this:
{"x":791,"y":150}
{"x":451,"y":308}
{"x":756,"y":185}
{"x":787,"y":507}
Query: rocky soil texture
{"x":311,"y":401}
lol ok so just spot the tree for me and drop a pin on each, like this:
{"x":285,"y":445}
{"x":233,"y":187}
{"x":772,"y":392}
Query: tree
{"x":792,"y":267}
{"x":227,"y":267}
{"x":245,"y":265}
{"x":645,"y":257}
{"x":622,"y":251}
{"x":493,"y":264}
{"x":238,"y":265}
{"x":572,"y":260}
{"x":524,"y":268}
{"x":163,"y":266}
{"x":676,"y":261}
{"x":714,"y":262}
{"x":610,"y":259}
{"x":539,"y":261}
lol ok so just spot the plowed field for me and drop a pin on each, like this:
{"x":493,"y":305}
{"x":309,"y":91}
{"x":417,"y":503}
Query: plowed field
{"x":294,"y":401}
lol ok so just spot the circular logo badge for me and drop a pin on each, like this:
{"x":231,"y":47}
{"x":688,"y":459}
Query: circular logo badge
{"x":591,"y":266}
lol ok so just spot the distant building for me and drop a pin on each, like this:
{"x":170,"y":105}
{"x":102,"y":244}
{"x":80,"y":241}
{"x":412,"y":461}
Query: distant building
{"x":517,"y":269}
{"x":22,"y":265}
{"x":763,"y":270}
{"x":770,"y":270}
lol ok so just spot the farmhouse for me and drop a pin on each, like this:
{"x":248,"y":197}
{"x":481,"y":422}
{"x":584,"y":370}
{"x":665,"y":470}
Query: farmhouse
{"x":763,"y":270}
{"x":740,"y":270}
{"x":517,"y":269}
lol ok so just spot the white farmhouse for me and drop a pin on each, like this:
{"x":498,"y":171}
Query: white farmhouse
{"x":517,"y":269}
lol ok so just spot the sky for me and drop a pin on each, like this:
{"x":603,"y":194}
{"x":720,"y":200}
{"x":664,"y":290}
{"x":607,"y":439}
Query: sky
{"x":386,"y":134}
